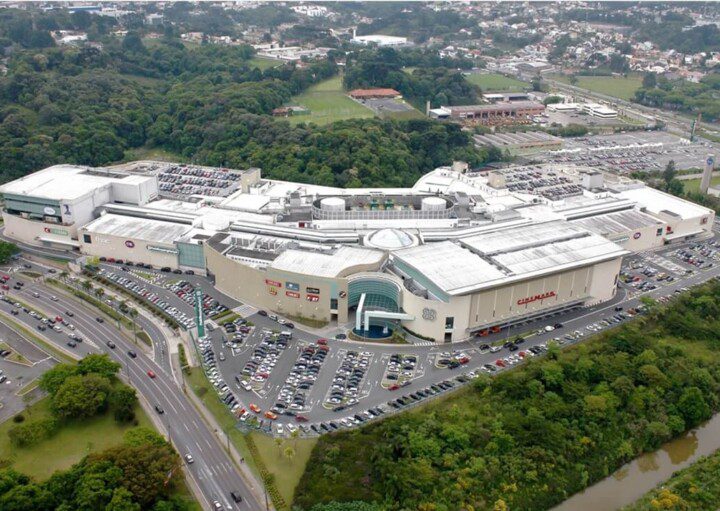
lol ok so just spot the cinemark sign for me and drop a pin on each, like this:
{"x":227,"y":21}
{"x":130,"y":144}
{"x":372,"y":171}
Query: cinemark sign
{"x":530,"y":299}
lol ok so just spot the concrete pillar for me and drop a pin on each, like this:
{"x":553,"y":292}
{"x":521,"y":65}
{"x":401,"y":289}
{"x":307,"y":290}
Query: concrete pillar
{"x":707,"y":173}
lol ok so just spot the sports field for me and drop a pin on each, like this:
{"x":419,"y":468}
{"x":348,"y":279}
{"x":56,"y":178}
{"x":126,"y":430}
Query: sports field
{"x":616,"y":86}
{"x":328,"y":102}
{"x":496,"y":82}
{"x":264,"y":64}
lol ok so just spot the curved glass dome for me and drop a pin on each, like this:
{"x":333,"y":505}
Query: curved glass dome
{"x":390,"y":239}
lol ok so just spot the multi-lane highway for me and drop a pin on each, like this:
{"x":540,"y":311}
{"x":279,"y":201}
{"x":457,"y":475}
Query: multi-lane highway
{"x":213,"y":470}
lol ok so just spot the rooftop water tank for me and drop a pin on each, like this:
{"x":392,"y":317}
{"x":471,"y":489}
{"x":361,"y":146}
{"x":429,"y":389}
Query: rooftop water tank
{"x":332,"y":204}
{"x":433,"y":204}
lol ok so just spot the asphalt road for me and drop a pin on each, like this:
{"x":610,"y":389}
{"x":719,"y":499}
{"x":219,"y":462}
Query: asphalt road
{"x":213,"y":470}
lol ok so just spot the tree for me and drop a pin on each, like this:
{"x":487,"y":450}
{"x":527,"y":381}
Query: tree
{"x":122,"y":500}
{"x":32,"y":432}
{"x":669,"y":172}
{"x":133,"y":43}
{"x":7,"y":250}
{"x":693,"y":407}
{"x":98,"y":364}
{"x":279,"y":442}
{"x":142,"y":435}
{"x":289,"y":453}
{"x":123,"y":400}
{"x":81,"y":396}
{"x":649,"y":81}
{"x":53,"y":379}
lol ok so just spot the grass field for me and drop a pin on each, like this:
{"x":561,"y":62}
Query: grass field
{"x":146,"y":153}
{"x":693,"y":185}
{"x":616,"y":86}
{"x":287,"y":472}
{"x":264,"y":64}
{"x":68,"y":446}
{"x":496,"y":82}
{"x":328,"y":103}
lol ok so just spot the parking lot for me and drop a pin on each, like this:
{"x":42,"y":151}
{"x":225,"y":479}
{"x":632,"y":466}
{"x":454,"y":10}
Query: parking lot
{"x":185,"y":180}
{"x":634,"y":151}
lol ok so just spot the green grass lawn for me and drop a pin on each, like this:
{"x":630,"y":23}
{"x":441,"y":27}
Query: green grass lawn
{"x":496,"y":82}
{"x":264,"y":64}
{"x":287,"y":472}
{"x":616,"y":86}
{"x":693,"y":185}
{"x":68,"y":446}
{"x":328,"y":102}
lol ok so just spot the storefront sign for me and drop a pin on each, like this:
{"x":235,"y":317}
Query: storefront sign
{"x":294,"y":286}
{"x":49,"y":211}
{"x":342,"y":294}
{"x":272,"y":291}
{"x":541,"y":296}
{"x":292,"y":294}
{"x":312,"y":290}
{"x":130,"y":244}
{"x":59,"y":232}
{"x":273,"y":283}
{"x":313,"y":298}
{"x":636,"y":236}
{"x":163,"y":250}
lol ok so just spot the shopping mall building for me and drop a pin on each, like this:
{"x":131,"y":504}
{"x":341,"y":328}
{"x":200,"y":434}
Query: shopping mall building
{"x":458,"y":253}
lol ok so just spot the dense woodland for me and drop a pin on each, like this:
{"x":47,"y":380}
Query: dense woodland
{"x":530,"y":438}
{"x":682,"y":95}
{"x":439,"y":84}
{"x":206,"y":104}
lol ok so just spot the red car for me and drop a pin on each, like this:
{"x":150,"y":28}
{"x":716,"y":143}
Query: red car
{"x":301,"y":418}
{"x":5,"y":277}
{"x":464,"y":360}
{"x":499,"y":363}
{"x":394,"y":387}
{"x":322,"y":342}
{"x":151,"y":374}
{"x":5,"y":287}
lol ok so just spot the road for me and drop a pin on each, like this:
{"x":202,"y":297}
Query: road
{"x":213,"y":470}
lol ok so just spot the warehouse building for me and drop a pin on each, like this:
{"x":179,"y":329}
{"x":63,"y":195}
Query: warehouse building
{"x":457,"y":254}
{"x":520,"y":143}
{"x":502,"y":112}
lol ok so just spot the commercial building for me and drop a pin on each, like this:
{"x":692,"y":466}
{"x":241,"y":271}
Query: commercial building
{"x":459,"y":253}
{"x":492,"y":114}
{"x":520,"y":143}
{"x":598,"y":110}
{"x":379,"y":40}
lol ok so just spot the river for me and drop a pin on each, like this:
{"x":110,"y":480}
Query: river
{"x":633,"y":480}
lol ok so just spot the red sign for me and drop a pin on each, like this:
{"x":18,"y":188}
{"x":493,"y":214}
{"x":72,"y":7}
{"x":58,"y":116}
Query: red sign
{"x":273,"y":283}
{"x":312,"y":298}
{"x":292,"y":294}
{"x":530,"y":299}
{"x":129,"y":244}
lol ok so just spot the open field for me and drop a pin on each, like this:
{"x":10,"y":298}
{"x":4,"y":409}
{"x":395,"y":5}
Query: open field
{"x":68,"y":446}
{"x":693,"y":185}
{"x":264,"y":64}
{"x":146,"y":153}
{"x":617,"y":86}
{"x":496,"y":82}
{"x":328,"y":103}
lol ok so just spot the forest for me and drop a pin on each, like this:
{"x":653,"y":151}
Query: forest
{"x":440,"y":84}
{"x":207,"y":104}
{"x":530,"y":438}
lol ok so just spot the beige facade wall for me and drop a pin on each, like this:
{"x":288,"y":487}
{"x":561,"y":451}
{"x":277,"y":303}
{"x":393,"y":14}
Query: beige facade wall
{"x":28,"y":231}
{"x":285,"y":293}
{"x":113,"y":246}
{"x":496,"y":306}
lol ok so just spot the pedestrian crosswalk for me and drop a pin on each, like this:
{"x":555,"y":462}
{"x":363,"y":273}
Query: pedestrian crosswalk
{"x":245,"y":310}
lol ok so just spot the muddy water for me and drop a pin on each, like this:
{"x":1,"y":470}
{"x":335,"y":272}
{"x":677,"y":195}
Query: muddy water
{"x":631,"y":481}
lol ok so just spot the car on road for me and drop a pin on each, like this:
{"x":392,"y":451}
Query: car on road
{"x":217,"y":506}
{"x":111,"y":345}
{"x":159,"y":409}
{"x":54,"y":298}
{"x":262,"y":313}
{"x":235,"y":495}
{"x":72,"y":344}
{"x":69,"y":314}
{"x":151,"y":374}
{"x":189,"y":459}
{"x":132,"y":354}
{"x":255,"y":408}
{"x":36,"y":294}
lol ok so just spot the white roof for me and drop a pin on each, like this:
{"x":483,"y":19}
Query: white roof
{"x":246,"y":202}
{"x":520,"y":238}
{"x":617,"y":223}
{"x":135,"y":228}
{"x":449,"y":266}
{"x":60,"y":182}
{"x":326,"y":264}
{"x":657,"y":202}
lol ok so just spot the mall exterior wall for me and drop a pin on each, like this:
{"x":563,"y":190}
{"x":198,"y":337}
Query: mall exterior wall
{"x":135,"y":250}
{"x":28,"y":231}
